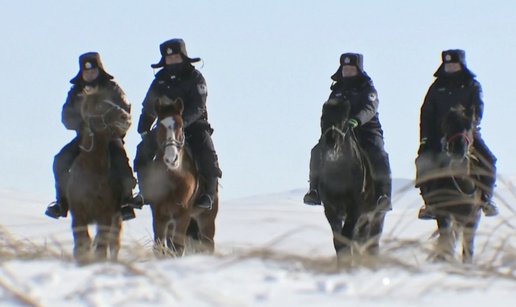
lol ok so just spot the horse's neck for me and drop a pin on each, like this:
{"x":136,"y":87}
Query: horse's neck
{"x":94,"y":151}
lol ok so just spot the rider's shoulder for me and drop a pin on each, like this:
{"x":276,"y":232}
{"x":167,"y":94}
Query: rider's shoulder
{"x":198,"y":77}
{"x":476,"y":84}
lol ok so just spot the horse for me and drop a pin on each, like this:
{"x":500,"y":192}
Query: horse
{"x":172,"y":184}
{"x":454,"y":197}
{"x":93,"y":194}
{"x":346,"y":185}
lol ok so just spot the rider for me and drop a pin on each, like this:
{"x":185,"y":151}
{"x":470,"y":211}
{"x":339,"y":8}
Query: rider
{"x":455,"y":84}
{"x":91,"y":75}
{"x":178,"y":78}
{"x":352,"y":83}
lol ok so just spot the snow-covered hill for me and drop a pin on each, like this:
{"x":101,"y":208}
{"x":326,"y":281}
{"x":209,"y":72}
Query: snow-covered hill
{"x":271,"y":251}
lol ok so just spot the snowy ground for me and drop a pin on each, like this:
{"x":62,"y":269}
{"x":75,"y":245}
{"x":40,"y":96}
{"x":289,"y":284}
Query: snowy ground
{"x":271,"y":251}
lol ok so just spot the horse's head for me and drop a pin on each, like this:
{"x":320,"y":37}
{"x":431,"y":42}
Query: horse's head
{"x":458,"y":127}
{"x":170,"y":135}
{"x":102,"y":115}
{"x":334,"y":121}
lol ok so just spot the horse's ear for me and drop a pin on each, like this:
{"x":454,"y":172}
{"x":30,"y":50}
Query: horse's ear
{"x":179,"y":105}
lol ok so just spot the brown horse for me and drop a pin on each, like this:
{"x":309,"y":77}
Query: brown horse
{"x":92,"y":194}
{"x":171,"y":185}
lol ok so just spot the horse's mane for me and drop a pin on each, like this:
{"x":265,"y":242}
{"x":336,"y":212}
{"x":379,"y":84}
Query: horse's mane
{"x":96,"y":94}
{"x":334,"y":112}
{"x":168,"y":106}
{"x":458,"y":118}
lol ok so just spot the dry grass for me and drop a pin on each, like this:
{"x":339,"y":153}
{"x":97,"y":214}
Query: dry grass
{"x":496,"y":255}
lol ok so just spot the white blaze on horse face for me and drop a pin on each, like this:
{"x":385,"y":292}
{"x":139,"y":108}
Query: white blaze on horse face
{"x":171,"y":152}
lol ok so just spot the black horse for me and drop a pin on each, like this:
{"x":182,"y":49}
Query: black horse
{"x":453,"y":196}
{"x":346,"y":184}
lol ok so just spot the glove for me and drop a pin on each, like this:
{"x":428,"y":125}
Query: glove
{"x":423,"y":146}
{"x":353,"y":123}
{"x":143,"y":134}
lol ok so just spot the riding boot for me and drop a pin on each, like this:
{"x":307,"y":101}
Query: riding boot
{"x":62,"y":163}
{"x":123,"y":174}
{"x":487,"y":163}
{"x":488,"y":184}
{"x":56,"y":209}
{"x":312,"y":197}
{"x":383,"y":189}
{"x":205,"y":201}
{"x":425,"y":213}
{"x":488,"y":206}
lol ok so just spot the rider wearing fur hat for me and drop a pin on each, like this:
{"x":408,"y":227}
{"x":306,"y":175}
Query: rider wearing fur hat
{"x":178,"y":78}
{"x":454,"y":85}
{"x":91,"y":75}
{"x":352,"y":83}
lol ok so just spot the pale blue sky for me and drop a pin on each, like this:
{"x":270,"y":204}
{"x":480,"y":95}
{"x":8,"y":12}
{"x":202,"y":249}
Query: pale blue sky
{"x":268,"y":66}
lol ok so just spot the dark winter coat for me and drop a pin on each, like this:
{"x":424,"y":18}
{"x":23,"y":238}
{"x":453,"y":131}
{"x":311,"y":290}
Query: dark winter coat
{"x":190,"y":87}
{"x":364,"y":102}
{"x":445,"y":93}
{"x":71,"y":114}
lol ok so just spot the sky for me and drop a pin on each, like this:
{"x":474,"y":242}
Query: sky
{"x":267,"y":65}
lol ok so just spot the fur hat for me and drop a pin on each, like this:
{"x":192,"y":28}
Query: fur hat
{"x":355,"y":59}
{"x":89,"y":60}
{"x":173,"y":46}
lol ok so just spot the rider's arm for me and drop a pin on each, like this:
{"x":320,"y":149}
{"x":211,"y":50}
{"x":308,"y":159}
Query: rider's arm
{"x":478,"y":102}
{"x":148,"y":113}
{"x":120,"y":99}
{"x":196,"y":106}
{"x":428,"y":116}
{"x":70,"y":116}
{"x":368,"y":109}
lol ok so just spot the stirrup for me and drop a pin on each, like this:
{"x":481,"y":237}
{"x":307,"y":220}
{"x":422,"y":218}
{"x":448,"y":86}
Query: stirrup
{"x":136,"y":202}
{"x":312,"y":198}
{"x":55,"y":210}
{"x":425,"y":213}
{"x":384,"y":204}
{"x":203,"y":205}
{"x":490,"y":209}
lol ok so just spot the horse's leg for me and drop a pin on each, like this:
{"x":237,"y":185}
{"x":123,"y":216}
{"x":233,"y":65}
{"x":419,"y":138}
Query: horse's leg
{"x":336,"y":227}
{"x":206,"y":222}
{"x":375,"y":233}
{"x":102,"y":238}
{"x":445,"y":241}
{"x":181,"y":224}
{"x":82,"y":240}
{"x":468,"y":237}
{"x":348,"y":231}
{"x":114,"y":237}
{"x":159,"y":225}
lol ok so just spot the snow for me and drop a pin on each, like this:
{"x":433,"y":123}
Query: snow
{"x":271,"y":251}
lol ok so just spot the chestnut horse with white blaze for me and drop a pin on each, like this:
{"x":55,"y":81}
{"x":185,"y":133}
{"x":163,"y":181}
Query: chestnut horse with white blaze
{"x":171,"y":186}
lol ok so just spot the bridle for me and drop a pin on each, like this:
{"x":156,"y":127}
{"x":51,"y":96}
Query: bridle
{"x":173,"y":143}
{"x":455,"y":136}
{"x":466,"y":156}
{"x":339,"y":131}
{"x":103,"y":117}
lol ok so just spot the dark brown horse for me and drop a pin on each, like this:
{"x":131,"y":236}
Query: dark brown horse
{"x":454,"y":197}
{"x":346,"y":185}
{"x":171,"y":185}
{"x":92,"y":193}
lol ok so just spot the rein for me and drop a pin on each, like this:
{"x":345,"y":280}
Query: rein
{"x":102,"y":116}
{"x":333,"y":128}
{"x":456,"y":135}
